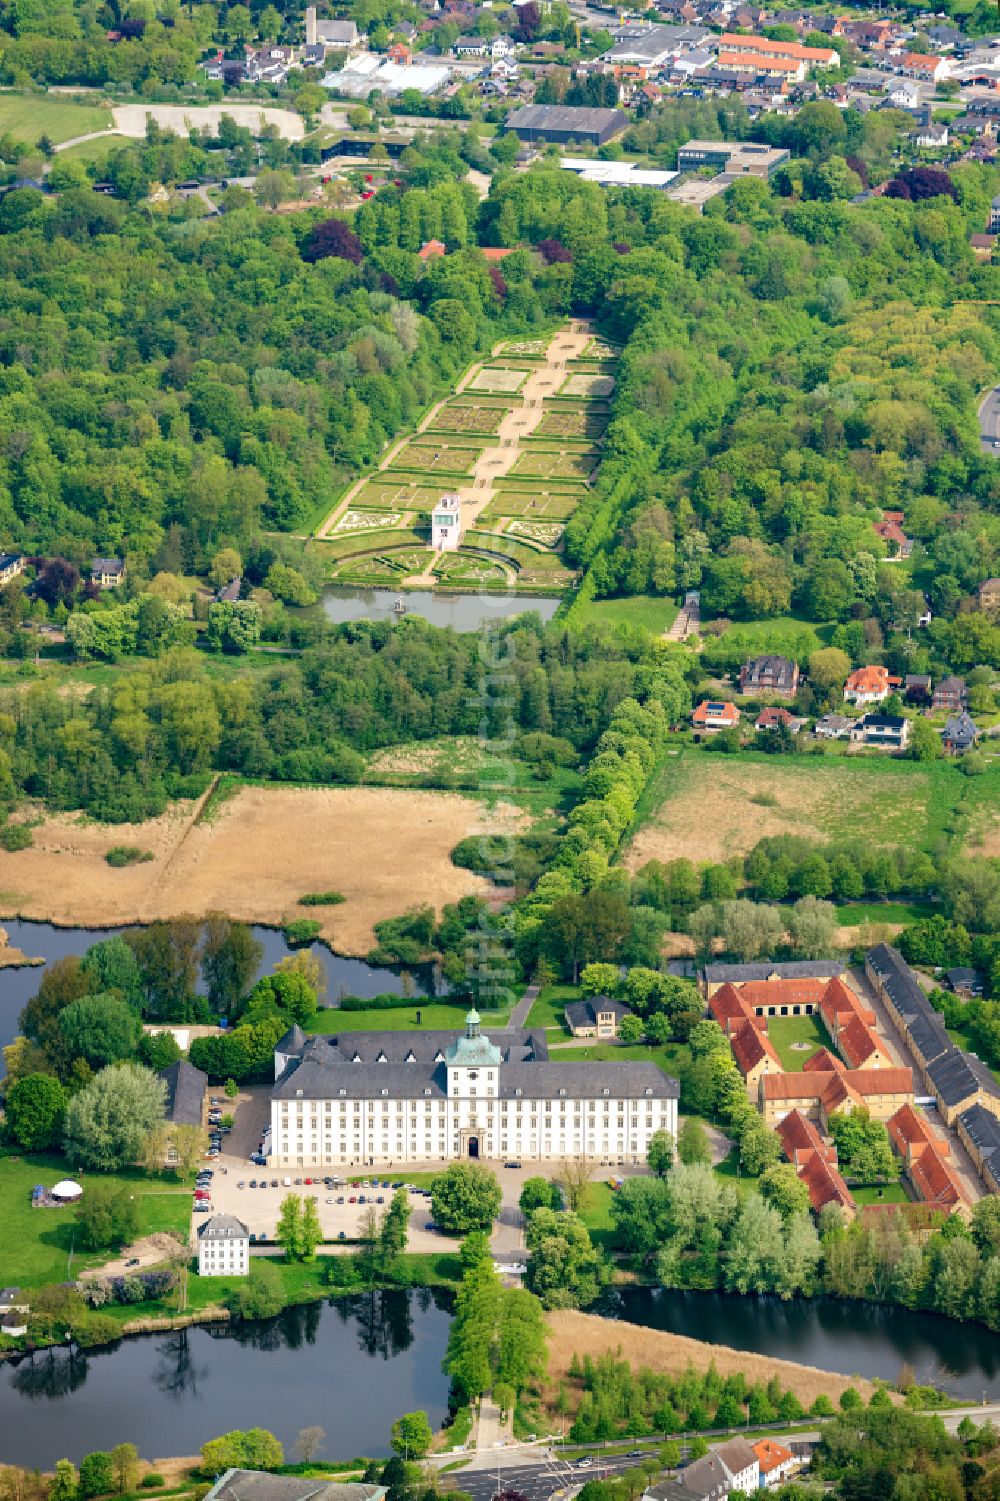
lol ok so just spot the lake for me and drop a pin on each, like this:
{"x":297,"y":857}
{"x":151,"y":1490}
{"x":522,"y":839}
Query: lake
{"x":350,"y":1365}
{"x":852,"y":1338}
{"x":463,"y":612}
{"x":42,"y":940}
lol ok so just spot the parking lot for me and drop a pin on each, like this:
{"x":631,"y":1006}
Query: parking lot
{"x":259,"y":1208}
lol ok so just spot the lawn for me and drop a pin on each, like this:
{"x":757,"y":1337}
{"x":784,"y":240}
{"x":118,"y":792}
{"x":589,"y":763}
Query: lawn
{"x":786,"y":1031}
{"x":596,"y":1214}
{"x":789,"y":634}
{"x":611,"y":1052}
{"x":642,"y":610}
{"x":890,"y":1193}
{"x":28,"y":116}
{"x":549,"y":1009}
{"x":435,"y":1016}
{"x":36,"y":1243}
{"x":852,"y":914}
{"x":822,"y":797}
{"x":96,"y":151}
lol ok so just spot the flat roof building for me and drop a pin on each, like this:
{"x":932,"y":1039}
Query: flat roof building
{"x":739,"y":158}
{"x":563,"y":123}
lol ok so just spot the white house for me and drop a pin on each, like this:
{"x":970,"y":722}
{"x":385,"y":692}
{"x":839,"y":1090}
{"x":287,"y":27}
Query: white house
{"x":446,"y":524}
{"x":742,"y":1463}
{"x":360,"y":1098}
{"x":223,"y":1247}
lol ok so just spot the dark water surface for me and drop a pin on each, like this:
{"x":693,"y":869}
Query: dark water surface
{"x":852,"y":1338}
{"x":42,"y":940}
{"x":351,"y":1366}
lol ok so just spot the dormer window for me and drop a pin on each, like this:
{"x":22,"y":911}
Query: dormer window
{"x":562,"y":1094}
{"x":648,"y":1090}
{"x":385,"y":1091}
{"x":426,"y":1091}
{"x":298,"y":1094}
{"x":341,"y":1091}
{"x":409,"y":1058}
{"x":356,"y":1058}
{"x":518,"y":1093}
{"x":381,"y":1058}
{"x":439,"y":1056}
{"x":605,"y":1090}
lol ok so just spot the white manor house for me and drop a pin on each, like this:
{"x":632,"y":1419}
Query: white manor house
{"x":361,"y":1098}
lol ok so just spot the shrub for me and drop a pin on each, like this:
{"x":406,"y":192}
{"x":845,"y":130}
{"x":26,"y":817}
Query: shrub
{"x":322,"y":899}
{"x":302,"y":930}
{"x":15,"y":836}
{"x":152,"y":1481}
{"x":127,"y":854}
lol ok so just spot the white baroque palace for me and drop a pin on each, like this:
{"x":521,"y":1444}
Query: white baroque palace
{"x":361,"y":1098}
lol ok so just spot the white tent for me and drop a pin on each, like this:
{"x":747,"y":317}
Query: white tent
{"x":67,"y":1191}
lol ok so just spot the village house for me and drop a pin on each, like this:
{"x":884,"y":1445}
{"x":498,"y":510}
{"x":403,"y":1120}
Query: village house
{"x":775,"y":1461}
{"x":770,"y":674}
{"x":833,"y":727}
{"x":223,"y":1247}
{"x":14,"y":1310}
{"x":898,"y":543}
{"x":815,"y":1162}
{"x":881,"y":732}
{"x":774,"y":717}
{"x":923,"y":66}
{"x":989,"y":589}
{"x":851,"y":1025}
{"x":979,"y":1133}
{"x":950,"y":694}
{"x":825,"y":1085}
{"x":926,"y":1159}
{"x":917,"y":687}
{"x":259,"y":1485}
{"x":958,"y":1080}
{"x":964,"y":981}
{"x":794,"y":987}
{"x":713,"y":715}
{"x":960,"y":734}
{"x":597,"y":1016}
{"x":107,"y":573}
{"x":11,"y":564}
{"x":869,"y":685}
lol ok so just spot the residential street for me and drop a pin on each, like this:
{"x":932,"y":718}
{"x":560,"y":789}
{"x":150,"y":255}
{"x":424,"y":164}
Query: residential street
{"x":989,"y":421}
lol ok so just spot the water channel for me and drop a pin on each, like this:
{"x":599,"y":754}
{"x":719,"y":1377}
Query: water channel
{"x":354,"y":1364}
{"x":852,"y":1338}
{"x":351,"y":1365}
{"x":40,"y":940}
{"x":463,"y":612}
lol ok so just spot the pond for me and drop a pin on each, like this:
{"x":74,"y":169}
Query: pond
{"x":350,"y":1366}
{"x":463,"y":612}
{"x":852,"y":1338}
{"x":43,"y":941}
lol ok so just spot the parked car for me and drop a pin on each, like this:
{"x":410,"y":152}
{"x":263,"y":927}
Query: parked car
{"x":380,"y":1199}
{"x":585,"y":1463}
{"x":241,"y":1184}
{"x":132,"y":1261}
{"x":203,"y":1209}
{"x":352,"y":1199}
{"x":342,"y":1235}
{"x":308,"y":1180}
{"x":274,"y":1183}
{"x":340,"y":1199}
{"x":253,"y":1182}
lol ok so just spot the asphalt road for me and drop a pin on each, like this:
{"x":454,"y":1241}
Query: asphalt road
{"x":536,"y":1482}
{"x":989,"y":422}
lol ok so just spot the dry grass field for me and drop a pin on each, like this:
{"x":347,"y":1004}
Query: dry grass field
{"x":254,"y":858}
{"x":706,"y":807}
{"x":586,"y":1334}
